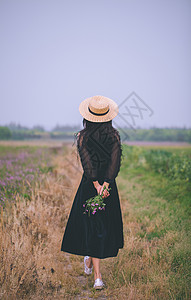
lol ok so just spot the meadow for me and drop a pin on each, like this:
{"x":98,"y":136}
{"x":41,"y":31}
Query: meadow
{"x":37,"y":188}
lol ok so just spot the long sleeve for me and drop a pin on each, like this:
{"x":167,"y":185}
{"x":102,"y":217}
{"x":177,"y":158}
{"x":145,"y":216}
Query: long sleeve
{"x":115,"y":160}
{"x":88,"y":159}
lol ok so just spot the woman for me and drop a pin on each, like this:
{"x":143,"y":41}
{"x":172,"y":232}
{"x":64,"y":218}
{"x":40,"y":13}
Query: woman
{"x":99,"y":146}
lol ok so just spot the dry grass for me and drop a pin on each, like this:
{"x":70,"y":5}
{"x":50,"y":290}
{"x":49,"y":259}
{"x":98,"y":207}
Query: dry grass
{"x":33,"y":267}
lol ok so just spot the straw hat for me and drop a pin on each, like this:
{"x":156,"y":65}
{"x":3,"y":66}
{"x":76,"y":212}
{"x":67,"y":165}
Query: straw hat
{"x":98,"y":109}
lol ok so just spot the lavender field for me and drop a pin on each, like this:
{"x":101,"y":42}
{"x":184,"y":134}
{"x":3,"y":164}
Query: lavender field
{"x":20,"y":167}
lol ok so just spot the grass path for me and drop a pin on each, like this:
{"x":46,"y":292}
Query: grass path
{"x":33,"y":267}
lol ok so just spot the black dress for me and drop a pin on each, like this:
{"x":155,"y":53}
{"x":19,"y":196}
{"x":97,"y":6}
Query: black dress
{"x":99,"y":235}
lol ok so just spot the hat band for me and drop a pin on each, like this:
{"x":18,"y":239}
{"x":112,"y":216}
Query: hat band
{"x":96,"y":114}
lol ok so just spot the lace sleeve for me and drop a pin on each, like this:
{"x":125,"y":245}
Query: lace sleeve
{"x":86,"y":156}
{"x":115,"y":160}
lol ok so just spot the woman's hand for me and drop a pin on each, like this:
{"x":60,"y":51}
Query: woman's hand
{"x":105,"y":192}
{"x":97,"y":187}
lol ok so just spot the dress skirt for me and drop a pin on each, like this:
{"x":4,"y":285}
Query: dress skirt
{"x":99,"y":235}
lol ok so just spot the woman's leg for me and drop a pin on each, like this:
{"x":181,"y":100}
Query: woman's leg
{"x":89,"y":262}
{"x":96,"y":265}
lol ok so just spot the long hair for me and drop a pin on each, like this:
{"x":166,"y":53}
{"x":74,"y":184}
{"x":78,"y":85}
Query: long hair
{"x":98,"y":129}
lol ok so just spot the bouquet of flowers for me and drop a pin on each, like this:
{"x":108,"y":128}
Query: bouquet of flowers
{"x":95,"y":204}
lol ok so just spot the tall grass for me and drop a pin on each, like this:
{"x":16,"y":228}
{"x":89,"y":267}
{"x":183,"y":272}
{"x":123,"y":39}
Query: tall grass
{"x":155,"y":260}
{"x":157,"y":218}
{"x":31,"y":263}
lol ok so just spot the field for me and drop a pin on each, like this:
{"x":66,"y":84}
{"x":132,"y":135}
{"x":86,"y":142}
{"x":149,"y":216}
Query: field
{"x":38,"y":183}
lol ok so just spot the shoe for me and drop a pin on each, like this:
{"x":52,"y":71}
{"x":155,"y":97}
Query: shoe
{"x":87,"y":270}
{"x":98,"y":285}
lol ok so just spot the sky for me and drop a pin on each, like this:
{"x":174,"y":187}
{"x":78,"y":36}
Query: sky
{"x":56,"y":53}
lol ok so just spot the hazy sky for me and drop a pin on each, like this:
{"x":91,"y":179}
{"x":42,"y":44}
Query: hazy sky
{"x":54,"y":54}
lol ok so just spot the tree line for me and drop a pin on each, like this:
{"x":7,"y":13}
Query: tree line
{"x":18,"y":132}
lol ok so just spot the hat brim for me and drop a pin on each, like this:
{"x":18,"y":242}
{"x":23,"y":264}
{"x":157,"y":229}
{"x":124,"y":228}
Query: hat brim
{"x":112,"y":113}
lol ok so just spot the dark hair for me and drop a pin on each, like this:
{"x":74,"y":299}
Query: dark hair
{"x":98,"y":129}
{"x":88,"y":125}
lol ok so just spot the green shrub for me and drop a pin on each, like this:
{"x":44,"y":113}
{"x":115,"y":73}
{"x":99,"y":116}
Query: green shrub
{"x":169,"y":164}
{"x":5,"y":133}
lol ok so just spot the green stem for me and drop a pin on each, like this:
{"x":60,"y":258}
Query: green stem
{"x":108,"y":189}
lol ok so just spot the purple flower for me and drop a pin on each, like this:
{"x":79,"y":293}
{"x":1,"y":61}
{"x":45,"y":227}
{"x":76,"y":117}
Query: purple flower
{"x":93,"y":204}
{"x":83,"y":205}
